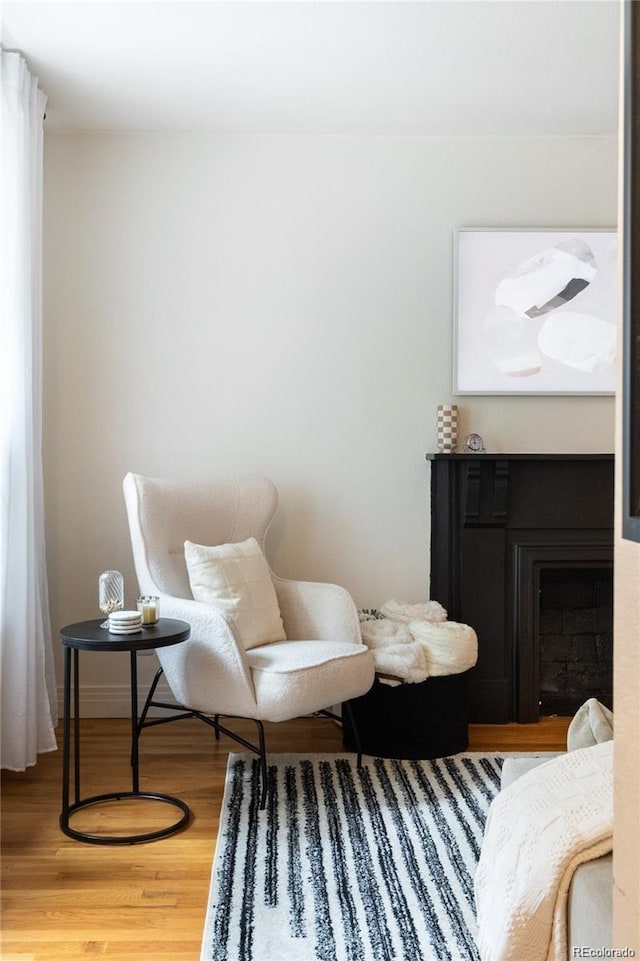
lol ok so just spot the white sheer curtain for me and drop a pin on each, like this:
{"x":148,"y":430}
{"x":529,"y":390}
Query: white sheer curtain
{"x":27,"y":680}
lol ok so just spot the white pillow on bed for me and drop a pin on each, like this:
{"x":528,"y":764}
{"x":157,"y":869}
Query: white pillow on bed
{"x":592,"y":724}
{"x":236,"y":579}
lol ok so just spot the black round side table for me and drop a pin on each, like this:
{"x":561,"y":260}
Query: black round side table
{"x":89,"y":636}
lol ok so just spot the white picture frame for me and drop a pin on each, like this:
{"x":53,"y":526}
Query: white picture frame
{"x":505,"y":342}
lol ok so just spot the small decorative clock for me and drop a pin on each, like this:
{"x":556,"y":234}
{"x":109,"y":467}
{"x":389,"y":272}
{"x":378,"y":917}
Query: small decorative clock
{"x":474,"y":444}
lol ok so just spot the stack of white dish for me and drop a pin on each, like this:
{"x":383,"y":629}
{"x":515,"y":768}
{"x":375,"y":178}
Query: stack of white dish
{"x":125,"y":622}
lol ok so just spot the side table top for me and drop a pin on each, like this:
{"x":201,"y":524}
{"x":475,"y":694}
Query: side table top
{"x":89,"y":636}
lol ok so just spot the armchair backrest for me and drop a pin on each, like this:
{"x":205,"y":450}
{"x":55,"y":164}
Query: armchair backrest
{"x":164,"y":514}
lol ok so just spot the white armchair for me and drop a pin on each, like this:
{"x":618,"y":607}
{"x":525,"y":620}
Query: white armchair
{"x":323,"y":661}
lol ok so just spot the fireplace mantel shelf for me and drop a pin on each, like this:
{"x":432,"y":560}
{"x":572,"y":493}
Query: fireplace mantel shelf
{"x":506,"y":456}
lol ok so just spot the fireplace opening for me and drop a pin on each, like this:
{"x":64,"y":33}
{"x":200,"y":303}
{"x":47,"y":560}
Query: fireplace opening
{"x":575,"y":638}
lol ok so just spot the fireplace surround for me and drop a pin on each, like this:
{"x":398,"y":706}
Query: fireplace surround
{"x":499,"y":523}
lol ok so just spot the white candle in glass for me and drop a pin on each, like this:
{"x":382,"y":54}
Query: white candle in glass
{"x":149,"y":608}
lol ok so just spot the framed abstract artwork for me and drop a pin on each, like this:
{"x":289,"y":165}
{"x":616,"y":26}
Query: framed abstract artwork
{"x":535,"y":311}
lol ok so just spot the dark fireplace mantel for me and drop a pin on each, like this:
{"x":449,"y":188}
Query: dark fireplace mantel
{"x":497,"y":522}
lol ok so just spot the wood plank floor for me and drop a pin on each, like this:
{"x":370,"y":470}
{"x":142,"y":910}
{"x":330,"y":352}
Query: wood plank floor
{"x":64,"y":900}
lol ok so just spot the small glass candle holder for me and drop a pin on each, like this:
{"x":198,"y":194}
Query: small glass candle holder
{"x":149,"y":607}
{"x":110,"y":593}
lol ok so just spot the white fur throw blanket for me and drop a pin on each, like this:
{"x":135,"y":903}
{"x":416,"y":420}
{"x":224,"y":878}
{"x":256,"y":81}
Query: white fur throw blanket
{"x":449,"y":648}
{"x":395,"y":653}
{"x":415,"y":641}
{"x":538,"y":831}
{"x":404,"y":613}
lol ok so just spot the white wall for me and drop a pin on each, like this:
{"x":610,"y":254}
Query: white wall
{"x":280,"y":305}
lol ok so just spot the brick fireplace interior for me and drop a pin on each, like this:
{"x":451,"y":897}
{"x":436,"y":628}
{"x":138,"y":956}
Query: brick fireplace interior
{"x":575,"y":638}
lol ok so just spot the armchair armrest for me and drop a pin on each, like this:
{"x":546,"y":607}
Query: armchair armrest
{"x":311,"y":610}
{"x":208,"y":672}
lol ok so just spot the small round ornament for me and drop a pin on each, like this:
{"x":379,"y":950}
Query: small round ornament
{"x":474,"y":444}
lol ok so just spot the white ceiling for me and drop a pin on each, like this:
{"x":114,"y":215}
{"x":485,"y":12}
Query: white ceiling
{"x":434,"y":67}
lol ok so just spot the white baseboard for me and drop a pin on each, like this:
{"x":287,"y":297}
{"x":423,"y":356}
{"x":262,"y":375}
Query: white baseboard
{"x":101,"y":700}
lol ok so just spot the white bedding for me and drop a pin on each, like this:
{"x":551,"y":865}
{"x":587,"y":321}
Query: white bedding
{"x":538,"y":831}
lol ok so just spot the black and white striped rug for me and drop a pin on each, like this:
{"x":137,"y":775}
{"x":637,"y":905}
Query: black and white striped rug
{"x":375,"y":864}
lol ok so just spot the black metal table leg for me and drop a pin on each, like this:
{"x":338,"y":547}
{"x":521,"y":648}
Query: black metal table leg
{"x":135,"y":776}
{"x":76,"y":726}
{"x":66,"y":736}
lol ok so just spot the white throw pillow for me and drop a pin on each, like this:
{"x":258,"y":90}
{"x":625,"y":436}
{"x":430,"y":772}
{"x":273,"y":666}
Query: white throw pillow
{"x":592,"y":724}
{"x":236,"y":579}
